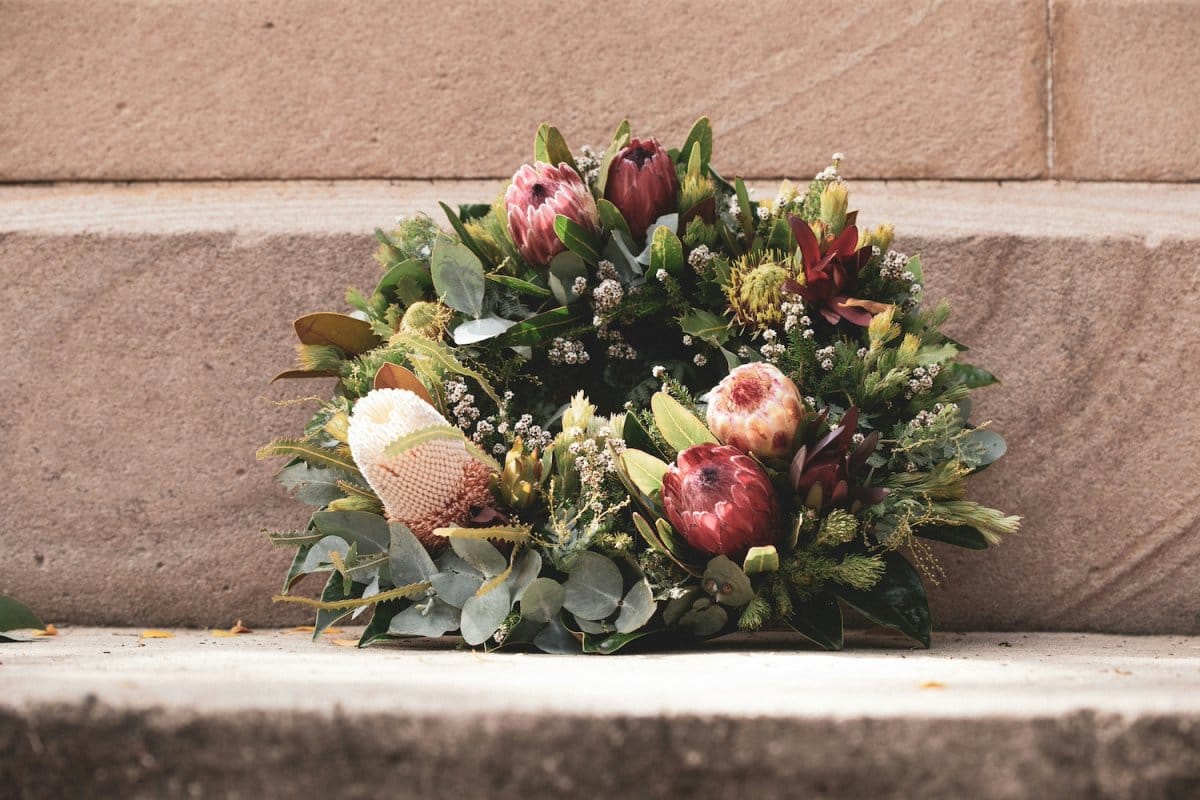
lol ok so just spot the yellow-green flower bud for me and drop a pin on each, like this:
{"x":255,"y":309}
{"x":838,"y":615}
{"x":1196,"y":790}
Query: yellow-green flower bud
{"x":881,"y":237}
{"x":518,"y":481}
{"x":426,"y":319}
{"x":338,"y":427}
{"x":834,"y":202}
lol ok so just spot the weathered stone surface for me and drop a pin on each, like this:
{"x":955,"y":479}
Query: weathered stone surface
{"x":299,"y":88}
{"x":988,"y":716}
{"x":137,"y":357}
{"x":1125,"y":102}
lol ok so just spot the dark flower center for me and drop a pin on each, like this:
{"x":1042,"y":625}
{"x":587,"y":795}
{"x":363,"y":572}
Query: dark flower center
{"x":539,"y":193}
{"x":710,"y":477}
{"x":639,"y":156}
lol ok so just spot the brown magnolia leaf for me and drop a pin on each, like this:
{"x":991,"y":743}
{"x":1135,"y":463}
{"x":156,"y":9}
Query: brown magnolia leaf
{"x":293,"y":374}
{"x":394,"y":376}
{"x":155,"y":634}
{"x":352,"y":335}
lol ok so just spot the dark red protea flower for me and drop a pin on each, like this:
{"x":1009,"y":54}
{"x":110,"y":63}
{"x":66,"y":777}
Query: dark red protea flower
{"x":822,"y":468}
{"x":642,"y":185}
{"x":537,"y":195}
{"x":830,"y":277}
{"x":720,"y":500}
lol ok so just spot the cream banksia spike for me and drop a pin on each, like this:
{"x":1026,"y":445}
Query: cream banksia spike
{"x":757,"y":409}
{"x":433,"y":485}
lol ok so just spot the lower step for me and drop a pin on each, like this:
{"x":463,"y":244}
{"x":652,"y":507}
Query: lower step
{"x":270,"y":714}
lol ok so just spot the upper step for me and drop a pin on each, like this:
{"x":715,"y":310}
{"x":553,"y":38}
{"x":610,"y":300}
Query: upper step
{"x":271,"y":714}
{"x":143,"y":323}
{"x":209,"y":89}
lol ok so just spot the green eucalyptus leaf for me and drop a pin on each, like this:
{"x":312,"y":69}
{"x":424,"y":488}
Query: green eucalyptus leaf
{"x":407,"y":557}
{"x":564,"y":269}
{"x":429,"y":617}
{"x":594,"y":586}
{"x":897,"y":601}
{"x":482,"y":615}
{"x":819,"y":619}
{"x":318,"y":558}
{"x":556,"y":639}
{"x":456,"y":588}
{"x":458,"y":277}
{"x":542,"y":600}
{"x":989,"y":445}
{"x":704,"y":619}
{"x":526,"y":568}
{"x":480,"y":330}
{"x":637,"y":607}
{"x":726,"y":582}
{"x":480,"y":554}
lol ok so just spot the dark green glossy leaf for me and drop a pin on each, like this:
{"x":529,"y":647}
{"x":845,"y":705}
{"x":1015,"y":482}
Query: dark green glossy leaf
{"x":819,"y":620}
{"x":541,"y":327}
{"x":898,"y":601}
{"x":607,"y":644}
{"x":525,"y":287}
{"x":666,"y":252}
{"x":381,"y":618}
{"x":611,"y":218}
{"x":335,"y":590}
{"x":578,"y":239}
{"x":971,"y":376}
{"x":958,"y":535}
{"x":15,"y":615}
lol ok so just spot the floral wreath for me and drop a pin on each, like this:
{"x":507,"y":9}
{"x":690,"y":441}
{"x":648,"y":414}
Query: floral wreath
{"x":626,"y":402}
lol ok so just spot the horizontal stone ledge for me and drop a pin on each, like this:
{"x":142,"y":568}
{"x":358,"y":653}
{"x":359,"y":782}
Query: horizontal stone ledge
{"x":928,"y":209}
{"x":271,"y":714}
{"x":145,"y":321}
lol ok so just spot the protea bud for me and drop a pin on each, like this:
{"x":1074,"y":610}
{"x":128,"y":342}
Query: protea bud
{"x":518,"y":482}
{"x":642,"y":184}
{"x":433,"y":485}
{"x":757,"y":409}
{"x":721,"y":501}
{"x":538,"y":194}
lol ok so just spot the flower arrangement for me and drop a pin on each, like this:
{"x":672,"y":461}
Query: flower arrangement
{"x":625,"y":400}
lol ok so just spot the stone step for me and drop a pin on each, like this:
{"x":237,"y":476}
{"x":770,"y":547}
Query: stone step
{"x":304,"y":88}
{"x":143,"y":322}
{"x":103,"y":712}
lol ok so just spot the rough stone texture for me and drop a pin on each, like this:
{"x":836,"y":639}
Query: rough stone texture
{"x":137,"y":359}
{"x":1125,"y":101}
{"x":985,"y":716}
{"x":298,"y":88}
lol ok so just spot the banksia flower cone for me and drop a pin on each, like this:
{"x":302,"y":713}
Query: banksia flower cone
{"x":757,"y":409}
{"x":433,"y":485}
{"x":720,"y":500}
{"x":537,"y":195}
{"x":642,"y":184}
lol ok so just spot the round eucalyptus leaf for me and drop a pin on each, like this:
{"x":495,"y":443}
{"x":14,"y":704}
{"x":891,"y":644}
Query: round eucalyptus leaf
{"x":456,"y":588}
{"x":430,"y":617}
{"x":555,"y":638}
{"x":637,"y":608}
{"x":481,"y":555}
{"x":542,"y":600}
{"x":482,"y":615}
{"x":706,"y":621}
{"x":528,"y":567}
{"x":594,"y":588}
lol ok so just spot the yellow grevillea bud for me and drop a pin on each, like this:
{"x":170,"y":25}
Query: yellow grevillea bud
{"x":881,"y":237}
{"x":517,"y":484}
{"x":834,"y":202}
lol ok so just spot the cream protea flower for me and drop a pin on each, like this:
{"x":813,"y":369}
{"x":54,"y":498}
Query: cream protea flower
{"x":757,"y":409}
{"x":433,"y":485}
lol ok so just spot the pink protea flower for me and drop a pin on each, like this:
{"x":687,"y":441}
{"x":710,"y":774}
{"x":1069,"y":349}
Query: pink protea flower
{"x":720,"y":500}
{"x":757,"y":409}
{"x":434,"y":485}
{"x":538,"y":194}
{"x":642,"y":184}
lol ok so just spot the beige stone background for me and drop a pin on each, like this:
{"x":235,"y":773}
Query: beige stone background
{"x":181,"y":178}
